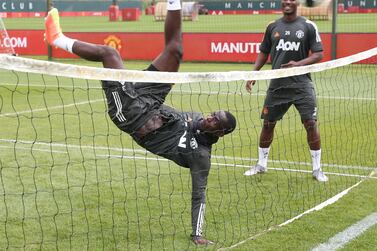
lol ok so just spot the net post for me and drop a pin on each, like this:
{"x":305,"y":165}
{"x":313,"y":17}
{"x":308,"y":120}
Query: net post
{"x":5,"y":43}
{"x":333,"y":29}
{"x":49,"y":48}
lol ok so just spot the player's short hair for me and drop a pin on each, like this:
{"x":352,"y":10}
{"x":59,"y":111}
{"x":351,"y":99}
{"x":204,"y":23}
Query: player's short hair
{"x":230,"y":123}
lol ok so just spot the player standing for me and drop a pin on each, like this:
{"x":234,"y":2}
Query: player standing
{"x":291,"y":41}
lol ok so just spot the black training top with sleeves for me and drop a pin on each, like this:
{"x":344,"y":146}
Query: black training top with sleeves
{"x":180,"y":141}
{"x":286,"y":41}
{"x":131,"y":105}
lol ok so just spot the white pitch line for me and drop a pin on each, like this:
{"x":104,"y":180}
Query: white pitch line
{"x":143,"y":151}
{"x":27,"y":142}
{"x":316,"y":208}
{"x":323,"y":204}
{"x":205,"y":92}
{"x":36,"y":149}
{"x":157,"y":158}
{"x":332,"y":242}
{"x":342,"y":238}
{"x":49,"y":108}
{"x":236,"y":165}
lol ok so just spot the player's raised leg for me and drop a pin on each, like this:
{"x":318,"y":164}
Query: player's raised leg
{"x":54,"y":36}
{"x":53,"y":29}
{"x":171,"y":56}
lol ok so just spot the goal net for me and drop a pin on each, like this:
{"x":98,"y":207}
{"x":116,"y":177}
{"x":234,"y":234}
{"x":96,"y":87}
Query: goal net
{"x":69,"y":179}
{"x":5,"y":42}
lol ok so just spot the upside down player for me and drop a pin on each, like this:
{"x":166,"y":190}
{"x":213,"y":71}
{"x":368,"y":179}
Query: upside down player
{"x":138,"y":109}
{"x":289,"y":41}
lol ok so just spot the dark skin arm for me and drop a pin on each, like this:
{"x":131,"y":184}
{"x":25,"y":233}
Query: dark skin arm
{"x":312,"y":59}
{"x":199,"y":169}
{"x":261,"y":60}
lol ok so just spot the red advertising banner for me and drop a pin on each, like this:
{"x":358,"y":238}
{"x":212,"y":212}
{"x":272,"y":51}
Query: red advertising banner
{"x":206,"y":47}
{"x":230,"y":47}
{"x":351,"y":43}
{"x":133,"y":46}
{"x":226,"y":47}
{"x":27,"y":42}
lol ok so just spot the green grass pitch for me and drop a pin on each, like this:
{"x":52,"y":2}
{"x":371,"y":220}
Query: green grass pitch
{"x":225,"y":23}
{"x":69,"y":179}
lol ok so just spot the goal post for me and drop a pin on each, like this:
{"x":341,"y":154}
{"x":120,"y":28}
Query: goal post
{"x":5,"y":42}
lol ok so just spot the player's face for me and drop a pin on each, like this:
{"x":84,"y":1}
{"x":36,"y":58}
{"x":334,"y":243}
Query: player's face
{"x":289,"y":6}
{"x":215,"y":122}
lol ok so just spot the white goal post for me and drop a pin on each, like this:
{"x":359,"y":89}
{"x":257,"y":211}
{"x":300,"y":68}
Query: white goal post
{"x":5,"y":42}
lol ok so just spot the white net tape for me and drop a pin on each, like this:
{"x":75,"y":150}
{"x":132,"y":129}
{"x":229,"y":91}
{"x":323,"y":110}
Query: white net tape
{"x":85,"y":72}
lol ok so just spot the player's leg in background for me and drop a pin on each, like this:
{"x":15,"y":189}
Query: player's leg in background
{"x":313,"y":136}
{"x":265,"y":140}
{"x":271,"y":113}
{"x":314,"y":142}
{"x":267,"y":133}
{"x":54,"y":36}
{"x":171,"y":56}
{"x":307,"y":107}
{"x":273,"y":110}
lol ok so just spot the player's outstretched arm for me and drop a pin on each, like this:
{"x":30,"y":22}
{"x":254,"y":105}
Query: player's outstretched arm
{"x":199,"y":170}
{"x":261,"y":60}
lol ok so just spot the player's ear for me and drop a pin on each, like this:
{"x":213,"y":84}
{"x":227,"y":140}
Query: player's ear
{"x":220,"y":133}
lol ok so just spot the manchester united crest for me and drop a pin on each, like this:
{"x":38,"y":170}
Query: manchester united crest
{"x":114,"y":42}
{"x":300,"y":34}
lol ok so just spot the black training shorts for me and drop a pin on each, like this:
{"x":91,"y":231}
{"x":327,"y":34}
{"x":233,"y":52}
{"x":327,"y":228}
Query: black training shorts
{"x":131,"y":105}
{"x":278,"y":101}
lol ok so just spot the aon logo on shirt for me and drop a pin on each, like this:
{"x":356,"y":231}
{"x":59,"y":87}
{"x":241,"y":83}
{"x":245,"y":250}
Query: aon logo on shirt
{"x":287,"y":45}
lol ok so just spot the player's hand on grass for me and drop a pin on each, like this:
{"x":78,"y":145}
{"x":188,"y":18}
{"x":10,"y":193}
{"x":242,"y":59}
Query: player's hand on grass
{"x":249,"y":85}
{"x":200,"y":241}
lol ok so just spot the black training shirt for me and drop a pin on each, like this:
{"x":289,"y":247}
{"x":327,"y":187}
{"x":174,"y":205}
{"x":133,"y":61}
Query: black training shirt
{"x":286,"y":41}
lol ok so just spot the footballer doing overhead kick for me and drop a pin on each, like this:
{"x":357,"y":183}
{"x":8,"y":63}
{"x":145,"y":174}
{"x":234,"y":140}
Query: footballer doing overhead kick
{"x":138,"y":109}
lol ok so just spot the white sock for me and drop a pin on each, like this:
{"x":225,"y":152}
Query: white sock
{"x":263,"y":156}
{"x":174,"y":5}
{"x":64,"y":43}
{"x":316,"y":159}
